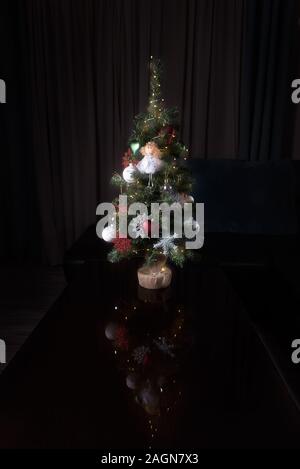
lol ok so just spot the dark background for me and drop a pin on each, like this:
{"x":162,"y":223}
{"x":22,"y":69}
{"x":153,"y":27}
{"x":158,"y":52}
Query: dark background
{"x":76,"y":74}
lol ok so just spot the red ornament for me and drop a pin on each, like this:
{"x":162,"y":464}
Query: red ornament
{"x":171,"y":137}
{"x":169,"y":132}
{"x":122,"y":244}
{"x":121,"y":339}
{"x":146,"y":360}
{"x":127,"y":158}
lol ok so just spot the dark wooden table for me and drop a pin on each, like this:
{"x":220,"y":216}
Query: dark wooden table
{"x":115,"y":366}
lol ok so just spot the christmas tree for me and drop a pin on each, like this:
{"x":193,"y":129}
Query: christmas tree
{"x":154,"y":171}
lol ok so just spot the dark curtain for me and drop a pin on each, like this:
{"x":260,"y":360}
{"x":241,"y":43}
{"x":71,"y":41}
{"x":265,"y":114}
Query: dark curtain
{"x":88,"y":71}
{"x":265,"y":79}
{"x":19,"y":226}
{"x":293,"y":123}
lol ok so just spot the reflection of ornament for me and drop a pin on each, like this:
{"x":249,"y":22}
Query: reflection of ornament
{"x":108,"y":234}
{"x":162,"y":344}
{"x":166,"y":244}
{"x":110,"y":331}
{"x":131,"y":381}
{"x":129,"y":173}
{"x":149,"y":400}
{"x":140,"y":353}
{"x":162,"y":382}
{"x":121,"y":338}
{"x":134,"y":147}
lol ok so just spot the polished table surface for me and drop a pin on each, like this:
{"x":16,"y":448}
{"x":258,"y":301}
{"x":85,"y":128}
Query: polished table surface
{"x":116,"y":366}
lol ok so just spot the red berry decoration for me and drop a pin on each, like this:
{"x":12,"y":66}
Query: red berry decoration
{"x":127,"y":158}
{"x":122,"y":244}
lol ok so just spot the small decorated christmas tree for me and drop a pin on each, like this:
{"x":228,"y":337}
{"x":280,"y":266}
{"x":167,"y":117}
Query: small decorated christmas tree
{"x":154,"y":172}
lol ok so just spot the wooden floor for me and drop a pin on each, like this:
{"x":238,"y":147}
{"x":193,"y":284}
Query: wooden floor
{"x":26,"y":294}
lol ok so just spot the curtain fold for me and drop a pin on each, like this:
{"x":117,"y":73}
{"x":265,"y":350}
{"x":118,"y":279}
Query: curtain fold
{"x":265,"y":85}
{"x":19,"y":228}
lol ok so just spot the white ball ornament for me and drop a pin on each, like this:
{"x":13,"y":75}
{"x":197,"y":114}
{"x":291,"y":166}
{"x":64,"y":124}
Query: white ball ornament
{"x":196,"y":226}
{"x":111,"y":331}
{"x":185,"y":198}
{"x":129,"y":173}
{"x":108,"y":234}
{"x":131,"y":381}
{"x":149,"y":400}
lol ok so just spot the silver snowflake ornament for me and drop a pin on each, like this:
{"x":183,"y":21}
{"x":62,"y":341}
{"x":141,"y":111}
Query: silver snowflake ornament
{"x":137,"y":226}
{"x":167,"y":244}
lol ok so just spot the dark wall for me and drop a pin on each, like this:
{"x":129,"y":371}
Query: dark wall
{"x":19,"y":230}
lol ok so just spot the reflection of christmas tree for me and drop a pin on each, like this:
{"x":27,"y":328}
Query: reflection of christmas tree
{"x":150,"y":354}
{"x":154,"y":171}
